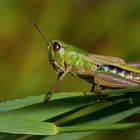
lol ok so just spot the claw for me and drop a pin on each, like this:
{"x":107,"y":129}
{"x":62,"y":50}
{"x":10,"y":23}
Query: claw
{"x":109,"y":99}
{"x":47,"y":97}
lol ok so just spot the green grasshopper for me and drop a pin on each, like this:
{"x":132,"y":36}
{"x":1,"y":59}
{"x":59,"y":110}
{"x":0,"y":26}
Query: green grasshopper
{"x":102,"y":71}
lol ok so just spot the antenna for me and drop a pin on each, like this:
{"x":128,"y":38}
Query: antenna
{"x":43,"y":35}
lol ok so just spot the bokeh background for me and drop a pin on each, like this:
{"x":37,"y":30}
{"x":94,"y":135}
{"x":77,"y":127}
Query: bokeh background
{"x":99,"y":26}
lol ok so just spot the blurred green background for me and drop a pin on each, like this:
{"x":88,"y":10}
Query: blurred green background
{"x":99,"y":26}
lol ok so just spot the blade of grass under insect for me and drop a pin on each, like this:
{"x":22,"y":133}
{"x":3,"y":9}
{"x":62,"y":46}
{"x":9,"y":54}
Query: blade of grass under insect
{"x":53,"y":108}
{"x":19,"y":103}
{"x":31,"y":100}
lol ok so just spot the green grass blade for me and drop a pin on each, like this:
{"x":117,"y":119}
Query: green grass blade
{"x":73,"y":108}
{"x":19,"y":103}
{"x":54,"y":108}
{"x":82,"y":112}
{"x":31,"y":100}
{"x":102,"y":113}
{"x":17,"y":126}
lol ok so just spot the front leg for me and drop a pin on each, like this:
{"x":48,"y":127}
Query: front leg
{"x":60,"y":78}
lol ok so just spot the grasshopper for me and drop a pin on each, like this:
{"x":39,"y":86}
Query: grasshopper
{"x":102,"y":71}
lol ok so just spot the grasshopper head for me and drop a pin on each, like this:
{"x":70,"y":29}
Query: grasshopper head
{"x":56,"y":50}
{"x":60,"y":53}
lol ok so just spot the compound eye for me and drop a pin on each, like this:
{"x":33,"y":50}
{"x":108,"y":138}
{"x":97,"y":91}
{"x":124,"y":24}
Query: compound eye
{"x":56,"y":46}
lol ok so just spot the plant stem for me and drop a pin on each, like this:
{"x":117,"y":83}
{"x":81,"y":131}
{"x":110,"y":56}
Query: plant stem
{"x":98,"y":127}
